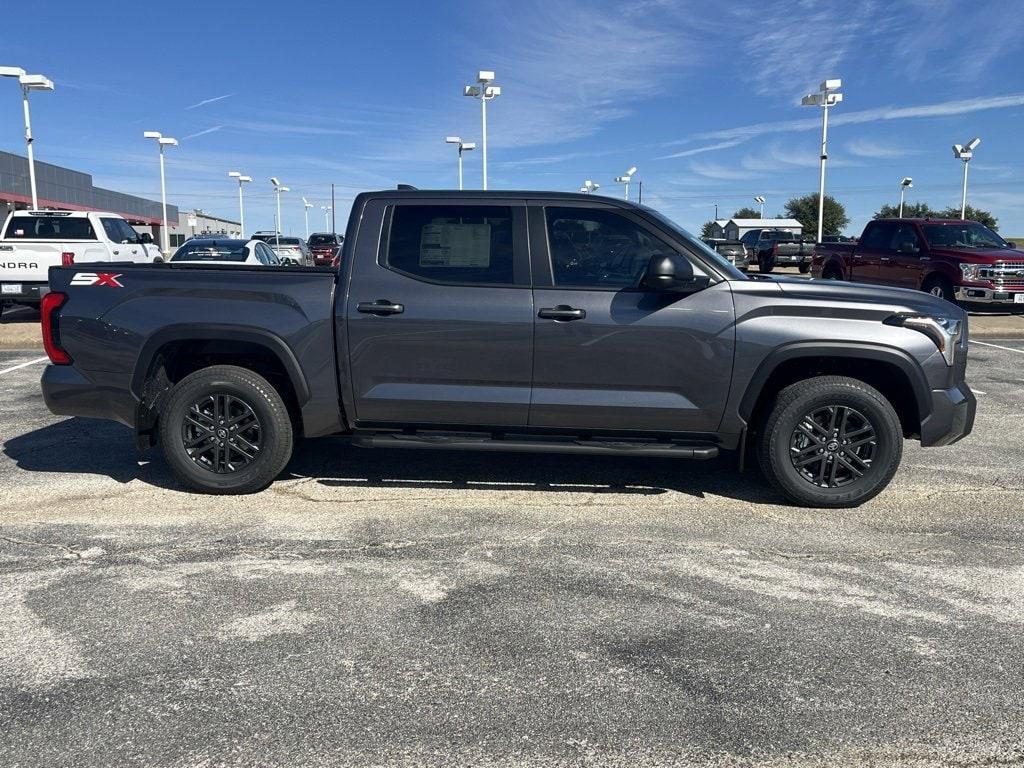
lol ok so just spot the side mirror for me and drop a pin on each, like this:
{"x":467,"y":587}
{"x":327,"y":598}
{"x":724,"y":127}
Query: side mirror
{"x":671,"y":272}
{"x":145,"y":238}
{"x":908,"y":247}
{"x":1012,"y":245}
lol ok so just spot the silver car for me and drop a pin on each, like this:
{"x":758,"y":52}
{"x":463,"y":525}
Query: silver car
{"x":293,"y":250}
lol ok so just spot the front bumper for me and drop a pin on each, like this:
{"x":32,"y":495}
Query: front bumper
{"x":951,"y":417}
{"x":98,"y":395}
{"x":971,"y":294}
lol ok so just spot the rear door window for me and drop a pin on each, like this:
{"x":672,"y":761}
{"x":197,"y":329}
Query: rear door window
{"x":50,"y":228}
{"x":878,"y":236}
{"x":456,"y":244}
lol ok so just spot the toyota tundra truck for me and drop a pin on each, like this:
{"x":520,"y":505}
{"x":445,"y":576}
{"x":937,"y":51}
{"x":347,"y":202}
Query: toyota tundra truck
{"x":510,"y":321}
{"x":956,"y":260}
{"x":33,"y":241}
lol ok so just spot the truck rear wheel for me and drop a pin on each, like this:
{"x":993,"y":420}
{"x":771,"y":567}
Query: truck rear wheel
{"x":805,"y":267}
{"x":225,"y":429}
{"x":831,"y":441}
{"x":765,"y":263}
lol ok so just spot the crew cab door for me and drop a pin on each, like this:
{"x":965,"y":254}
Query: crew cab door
{"x":439,"y":313}
{"x":902,"y":267}
{"x":124,"y":240}
{"x":873,"y":252}
{"x":609,"y":354}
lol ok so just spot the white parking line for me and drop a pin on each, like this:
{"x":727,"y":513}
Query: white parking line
{"x":998,"y":346}
{"x":23,"y":365}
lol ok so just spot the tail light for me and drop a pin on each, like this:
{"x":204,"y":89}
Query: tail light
{"x":67,"y":258}
{"x":775,"y":249}
{"x":50,"y":310}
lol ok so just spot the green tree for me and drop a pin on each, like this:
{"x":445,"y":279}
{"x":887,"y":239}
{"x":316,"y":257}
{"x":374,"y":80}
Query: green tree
{"x":972,"y":214}
{"x":910,"y":211}
{"x":707,"y":229}
{"x":747,"y":213}
{"x":805,"y":210}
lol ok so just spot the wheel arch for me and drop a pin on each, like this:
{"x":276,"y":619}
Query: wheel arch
{"x":891,"y":371}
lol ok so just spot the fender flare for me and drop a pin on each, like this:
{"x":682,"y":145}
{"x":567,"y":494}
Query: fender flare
{"x":208,"y":332}
{"x":852,"y":350}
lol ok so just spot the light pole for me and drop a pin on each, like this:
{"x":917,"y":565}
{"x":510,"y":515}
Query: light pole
{"x":965,"y":154}
{"x":306,"y":205}
{"x":327,"y":215}
{"x":162,"y":141}
{"x":760,"y":201}
{"x":29,"y":83}
{"x":825,"y":98}
{"x":279,"y":189}
{"x":904,"y":184}
{"x":464,"y":146}
{"x":242,"y":179}
{"x":589,"y":187}
{"x":624,"y":179}
{"x":485,"y":92}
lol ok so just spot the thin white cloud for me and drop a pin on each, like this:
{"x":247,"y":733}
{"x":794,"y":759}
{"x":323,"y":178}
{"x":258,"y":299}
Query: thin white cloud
{"x":214,"y":129}
{"x":204,"y":102}
{"x":867,"y":148}
{"x":940,"y":109}
{"x":702,"y":150}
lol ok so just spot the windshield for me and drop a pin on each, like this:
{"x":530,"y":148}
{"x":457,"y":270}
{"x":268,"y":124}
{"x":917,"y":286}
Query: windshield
{"x":710,"y":254}
{"x":967,"y":235}
{"x":227,"y":251}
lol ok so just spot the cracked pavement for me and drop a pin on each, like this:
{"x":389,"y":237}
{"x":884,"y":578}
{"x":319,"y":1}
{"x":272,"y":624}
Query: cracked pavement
{"x":394,"y":608}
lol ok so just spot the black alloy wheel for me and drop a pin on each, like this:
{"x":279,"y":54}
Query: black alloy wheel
{"x":833,"y":446}
{"x":221,"y":433}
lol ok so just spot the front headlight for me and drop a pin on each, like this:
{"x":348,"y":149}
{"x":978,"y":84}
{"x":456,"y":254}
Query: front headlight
{"x":944,"y":331}
{"x":971,"y":272}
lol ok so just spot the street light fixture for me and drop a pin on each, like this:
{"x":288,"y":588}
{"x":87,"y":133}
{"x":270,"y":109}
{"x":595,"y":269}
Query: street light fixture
{"x":162,"y":141}
{"x":625,"y":178}
{"x":760,"y":201}
{"x":965,"y":154}
{"x":464,"y":146}
{"x":279,"y":189}
{"x":327,"y":215}
{"x":29,"y":83}
{"x":825,"y":98}
{"x":242,"y":179}
{"x":905,"y":184}
{"x":589,"y":187}
{"x":485,"y":92}
{"x":306,"y":205}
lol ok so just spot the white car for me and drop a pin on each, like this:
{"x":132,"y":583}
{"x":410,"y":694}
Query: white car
{"x":34,"y":241}
{"x":225,"y":251}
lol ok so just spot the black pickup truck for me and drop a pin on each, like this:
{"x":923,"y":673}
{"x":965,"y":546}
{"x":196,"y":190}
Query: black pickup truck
{"x":509,"y":321}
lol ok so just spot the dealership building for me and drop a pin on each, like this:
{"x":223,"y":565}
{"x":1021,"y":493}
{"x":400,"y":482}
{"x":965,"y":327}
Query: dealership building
{"x":67,"y":189}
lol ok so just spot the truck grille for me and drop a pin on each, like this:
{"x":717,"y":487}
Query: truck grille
{"x":1004,"y":273}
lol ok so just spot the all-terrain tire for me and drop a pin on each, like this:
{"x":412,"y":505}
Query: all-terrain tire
{"x":208,"y":402}
{"x":937,"y":285}
{"x":794,"y":433}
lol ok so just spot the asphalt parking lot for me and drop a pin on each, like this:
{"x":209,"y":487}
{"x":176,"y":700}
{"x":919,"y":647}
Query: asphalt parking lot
{"x":374,"y":608}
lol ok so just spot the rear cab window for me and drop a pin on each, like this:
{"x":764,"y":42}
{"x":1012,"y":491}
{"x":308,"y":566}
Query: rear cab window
{"x":49,"y":227}
{"x":453,"y":244}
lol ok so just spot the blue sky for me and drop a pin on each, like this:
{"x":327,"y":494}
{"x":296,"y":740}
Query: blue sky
{"x":702,"y":97}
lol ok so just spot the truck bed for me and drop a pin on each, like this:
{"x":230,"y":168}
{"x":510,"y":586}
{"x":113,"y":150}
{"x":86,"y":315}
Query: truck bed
{"x":119,"y":317}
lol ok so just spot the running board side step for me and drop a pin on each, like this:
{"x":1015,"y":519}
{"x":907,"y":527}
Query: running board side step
{"x":534,"y":445}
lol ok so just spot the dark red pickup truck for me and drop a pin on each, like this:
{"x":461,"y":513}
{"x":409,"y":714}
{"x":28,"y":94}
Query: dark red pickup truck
{"x":958,"y":260}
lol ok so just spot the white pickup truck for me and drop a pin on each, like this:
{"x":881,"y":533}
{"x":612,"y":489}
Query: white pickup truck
{"x":33,"y":241}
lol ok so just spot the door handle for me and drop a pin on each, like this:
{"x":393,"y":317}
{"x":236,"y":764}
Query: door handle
{"x":885,"y":258}
{"x":380,"y":307}
{"x":562,"y":312}
{"x":116,"y":252}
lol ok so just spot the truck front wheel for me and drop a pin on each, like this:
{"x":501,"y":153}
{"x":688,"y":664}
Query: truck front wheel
{"x":225,"y":429}
{"x":831,"y":441}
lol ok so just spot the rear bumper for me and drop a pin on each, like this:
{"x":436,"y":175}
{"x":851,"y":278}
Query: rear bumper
{"x":792,"y":258}
{"x":951,"y":417}
{"x":69,"y":392}
{"x":971,"y":294}
{"x":26,"y":293}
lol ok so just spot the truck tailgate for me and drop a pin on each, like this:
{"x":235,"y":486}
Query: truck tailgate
{"x":29,"y":261}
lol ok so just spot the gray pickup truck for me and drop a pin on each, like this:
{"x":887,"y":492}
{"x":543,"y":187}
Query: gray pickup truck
{"x":510,"y":321}
{"x":770,"y":248}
